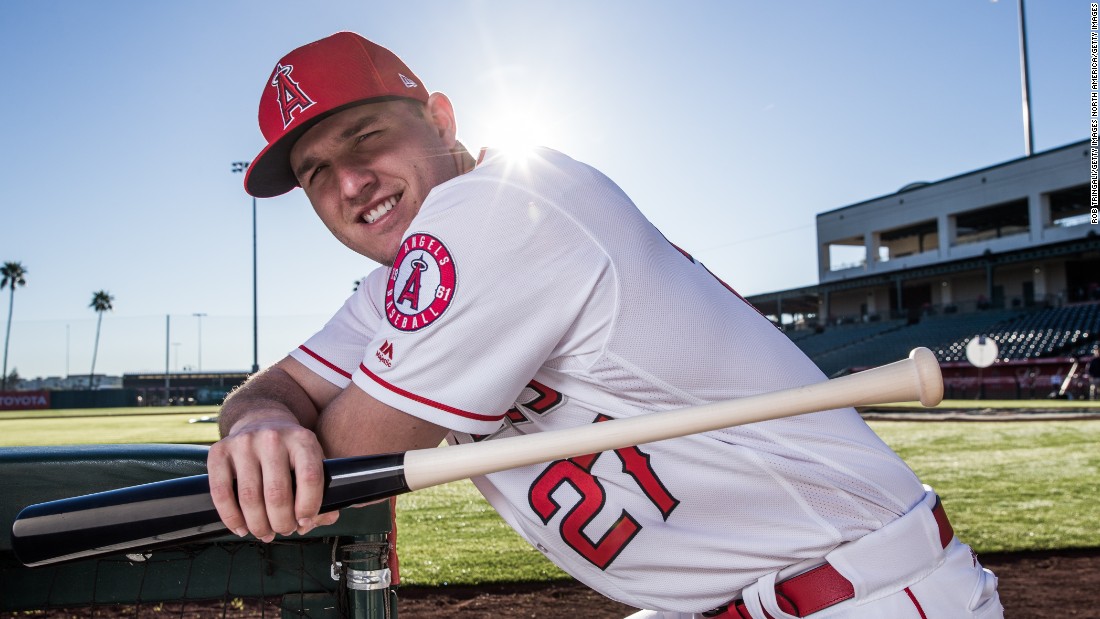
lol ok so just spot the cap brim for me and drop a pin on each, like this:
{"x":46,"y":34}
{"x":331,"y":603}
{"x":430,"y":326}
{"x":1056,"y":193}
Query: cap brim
{"x":270,"y":174}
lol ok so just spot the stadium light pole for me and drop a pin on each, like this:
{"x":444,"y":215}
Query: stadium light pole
{"x":199,"y":315}
{"x":1025,"y":82}
{"x":167,"y":364}
{"x":241,"y":166}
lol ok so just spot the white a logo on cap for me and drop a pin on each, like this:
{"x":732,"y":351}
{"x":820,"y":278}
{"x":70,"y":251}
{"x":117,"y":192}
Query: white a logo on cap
{"x":292,"y":99}
{"x":408,"y":82}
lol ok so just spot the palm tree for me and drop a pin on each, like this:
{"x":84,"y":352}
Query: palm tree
{"x":13,"y":275}
{"x":101,"y":302}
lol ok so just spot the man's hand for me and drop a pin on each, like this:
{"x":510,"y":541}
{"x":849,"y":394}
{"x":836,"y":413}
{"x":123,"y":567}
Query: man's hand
{"x":276,"y":464}
{"x":266,"y":475}
{"x":275,"y":439}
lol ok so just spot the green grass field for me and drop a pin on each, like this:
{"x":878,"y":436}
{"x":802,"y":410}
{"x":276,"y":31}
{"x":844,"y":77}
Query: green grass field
{"x":1006,"y":485}
{"x":111,"y":425}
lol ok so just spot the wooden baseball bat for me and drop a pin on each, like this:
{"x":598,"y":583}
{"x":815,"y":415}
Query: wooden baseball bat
{"x":173,"y":511}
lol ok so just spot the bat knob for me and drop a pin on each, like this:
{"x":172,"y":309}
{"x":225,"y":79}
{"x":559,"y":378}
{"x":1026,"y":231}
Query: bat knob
{"x":929,"y":379}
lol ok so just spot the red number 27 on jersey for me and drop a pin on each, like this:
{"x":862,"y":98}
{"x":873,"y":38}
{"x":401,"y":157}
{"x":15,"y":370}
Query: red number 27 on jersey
{"x":577,"y":472}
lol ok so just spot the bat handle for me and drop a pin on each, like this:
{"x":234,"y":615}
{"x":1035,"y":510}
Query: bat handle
{"x":363,"y":479}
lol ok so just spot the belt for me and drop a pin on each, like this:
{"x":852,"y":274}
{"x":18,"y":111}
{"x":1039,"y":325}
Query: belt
{"x":819,"y":588}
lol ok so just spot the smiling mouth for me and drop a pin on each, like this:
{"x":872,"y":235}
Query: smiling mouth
{"x":377,"y":212}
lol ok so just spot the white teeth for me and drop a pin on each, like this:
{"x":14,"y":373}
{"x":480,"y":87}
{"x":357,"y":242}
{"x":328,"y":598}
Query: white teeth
{"x":380,"y":210}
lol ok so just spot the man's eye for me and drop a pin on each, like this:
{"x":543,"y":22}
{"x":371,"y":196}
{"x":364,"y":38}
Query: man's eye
{"x":366,"y":136}
{"x":315,"y":172}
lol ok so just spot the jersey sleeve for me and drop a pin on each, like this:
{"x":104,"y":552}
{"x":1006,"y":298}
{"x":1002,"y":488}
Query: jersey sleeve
{"x":335,"y":351}
{"x":487,"y":288}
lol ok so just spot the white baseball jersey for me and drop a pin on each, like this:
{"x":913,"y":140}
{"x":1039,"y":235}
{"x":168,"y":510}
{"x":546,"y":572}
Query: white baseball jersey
{"x":532,"y":295}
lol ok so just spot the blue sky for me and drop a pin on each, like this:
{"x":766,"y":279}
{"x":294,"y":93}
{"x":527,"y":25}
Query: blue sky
{"x":731,"y":124}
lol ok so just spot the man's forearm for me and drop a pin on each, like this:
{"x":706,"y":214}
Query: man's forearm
{"x":270,"y":394}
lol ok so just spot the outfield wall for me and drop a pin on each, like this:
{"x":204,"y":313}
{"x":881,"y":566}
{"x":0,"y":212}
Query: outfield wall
{"x":42,"y":400}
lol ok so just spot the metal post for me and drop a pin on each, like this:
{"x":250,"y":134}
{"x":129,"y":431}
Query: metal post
{"x":242,"y":166}
{"x":199,"y":315}
{"x":366,"y":576}
{"x":1029,"y":135}
{"x":255,"y":305}
{"x":989,"y":281}
{"x":167,"y":355}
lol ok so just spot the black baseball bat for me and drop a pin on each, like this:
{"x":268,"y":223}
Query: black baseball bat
{"x":170,"y":512}
{"x":173,"y":511}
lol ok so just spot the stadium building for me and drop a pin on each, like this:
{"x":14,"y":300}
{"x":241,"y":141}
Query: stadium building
{"x":1009,"y":252}
{"x":182,"y":388}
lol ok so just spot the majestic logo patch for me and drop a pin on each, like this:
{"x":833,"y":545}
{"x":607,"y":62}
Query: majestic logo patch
{"x":421,"y":284}
{"x":385,"y":353}
{"x":292,"y":99}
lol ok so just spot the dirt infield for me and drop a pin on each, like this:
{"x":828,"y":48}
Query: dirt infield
{"x":1033,"y":585}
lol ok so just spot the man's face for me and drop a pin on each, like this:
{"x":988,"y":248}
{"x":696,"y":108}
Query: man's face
{"x":368,"y":169}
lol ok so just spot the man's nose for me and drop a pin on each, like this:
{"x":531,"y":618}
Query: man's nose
{"x":355,"y":179}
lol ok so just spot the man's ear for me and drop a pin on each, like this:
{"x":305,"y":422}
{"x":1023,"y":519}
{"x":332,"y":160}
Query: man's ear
{"x":442,"y":115}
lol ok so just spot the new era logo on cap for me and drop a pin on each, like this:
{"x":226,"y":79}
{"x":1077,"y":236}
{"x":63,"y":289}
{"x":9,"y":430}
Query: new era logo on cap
{"x":312,"y":82}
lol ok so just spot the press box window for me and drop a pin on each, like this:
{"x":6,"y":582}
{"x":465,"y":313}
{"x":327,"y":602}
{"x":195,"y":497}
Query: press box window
{"x":992,"y":222}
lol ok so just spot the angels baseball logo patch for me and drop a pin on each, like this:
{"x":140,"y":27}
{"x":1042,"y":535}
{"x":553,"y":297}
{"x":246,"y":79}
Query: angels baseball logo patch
{"x":421,"y":284}
{"x":292,"y":99}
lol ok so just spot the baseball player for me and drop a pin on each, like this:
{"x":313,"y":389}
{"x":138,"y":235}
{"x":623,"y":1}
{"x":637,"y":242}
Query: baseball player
{"x":529,"y":294}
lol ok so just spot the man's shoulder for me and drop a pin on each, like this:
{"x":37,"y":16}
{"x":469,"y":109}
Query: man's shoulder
{"x":531,"y":165}
{"x":516,"y":192}
{"x":504,"y":176}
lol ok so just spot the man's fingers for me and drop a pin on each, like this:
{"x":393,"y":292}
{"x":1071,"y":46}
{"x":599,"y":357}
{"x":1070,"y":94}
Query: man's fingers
{"x":309,"y":478}
{"x":278,"y":489}
{"x":250,"y":496}
{"x":320,"y":520}
{"x":254,"y":472}
{"x":220,"y":476}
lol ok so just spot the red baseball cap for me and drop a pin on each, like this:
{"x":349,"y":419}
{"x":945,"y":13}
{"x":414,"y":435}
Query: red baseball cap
{"x":313,"y":82}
